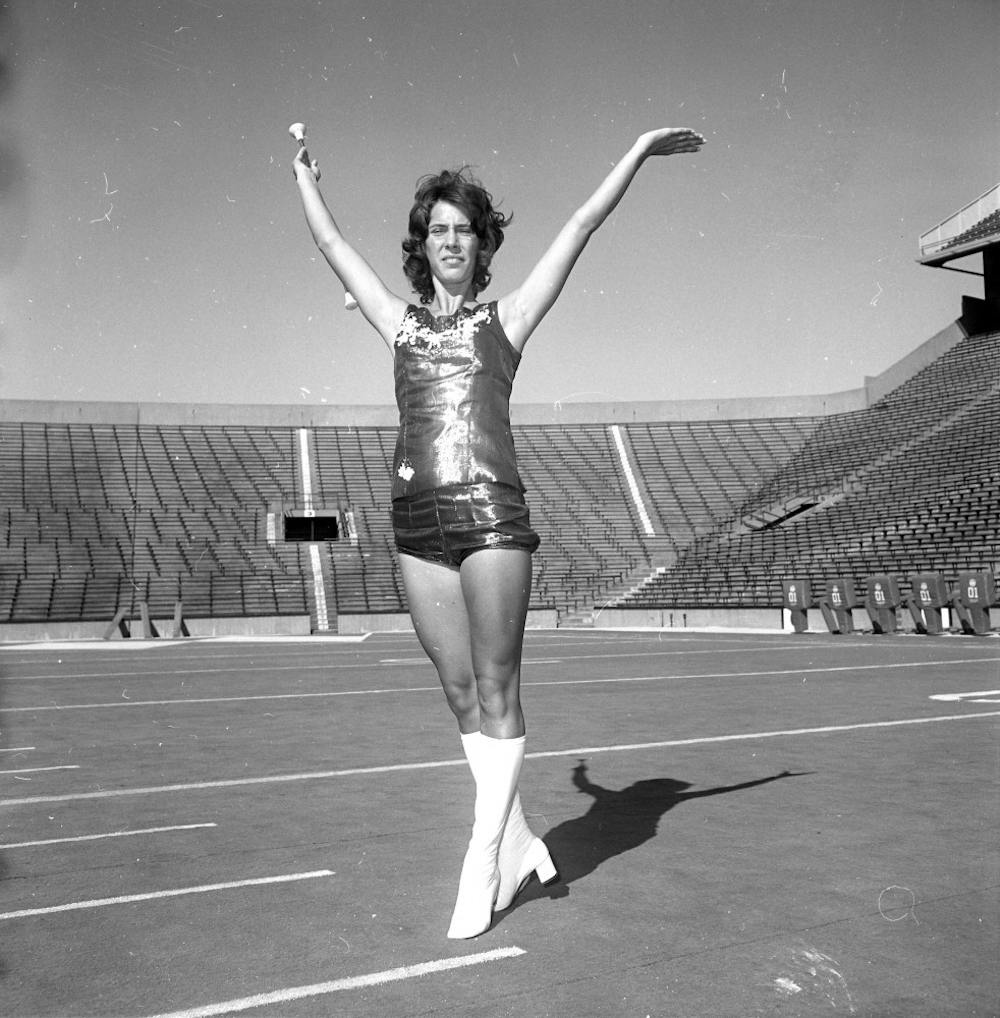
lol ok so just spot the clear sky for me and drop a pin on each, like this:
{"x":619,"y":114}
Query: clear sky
{"x":152,"y":246}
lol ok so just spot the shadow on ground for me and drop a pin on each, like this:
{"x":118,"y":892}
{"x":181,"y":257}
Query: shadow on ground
{"x":617,"y":822}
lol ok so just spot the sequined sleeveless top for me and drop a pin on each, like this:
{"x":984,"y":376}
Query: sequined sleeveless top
{"x":453,"y":382}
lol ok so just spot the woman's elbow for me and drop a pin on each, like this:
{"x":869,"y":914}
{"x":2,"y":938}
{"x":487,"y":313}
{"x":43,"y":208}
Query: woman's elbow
{"x":584,"y":222}
{"x":329,"y":247}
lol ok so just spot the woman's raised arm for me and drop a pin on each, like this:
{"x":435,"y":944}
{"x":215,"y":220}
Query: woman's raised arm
{"x":521,"y":310}
{"x":383,"y":309}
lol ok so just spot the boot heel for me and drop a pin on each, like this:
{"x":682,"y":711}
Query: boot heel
{"x":546,"y":870}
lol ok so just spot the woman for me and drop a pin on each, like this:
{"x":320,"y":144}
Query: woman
{"x":459,"y":517}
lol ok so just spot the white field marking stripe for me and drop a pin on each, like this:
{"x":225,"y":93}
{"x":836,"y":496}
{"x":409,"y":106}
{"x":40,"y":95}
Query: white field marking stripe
{"x":36,"y":770}
{"x":305,"y":471}
{"x":627,"y":634}
{"x":584,"y":656}
{"x":351,"y":983}
{"x":17,"y":749}
{"x":161,"y":643}
{"x":147,"y":674}
{"x":100,"y":837}
{"x":963,"y":696}
{"x":174,"y":893}
{"x":273,"y":779}
{"x":822,"y":730}
{"x":269,"y":779}
{"x":756,"y":675}
{"x":215,"y":699}
{"x":315,"y":639}
{"x":95,"y":643}
{"x":535,"y":684}
{"x":524,"y":661}
{"x":319,"y":589}
{"x":633,"y":487}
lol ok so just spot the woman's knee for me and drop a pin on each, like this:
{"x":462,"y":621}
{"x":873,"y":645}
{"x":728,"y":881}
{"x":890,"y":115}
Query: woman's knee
{"x":463,"y":700}
{"x":498,"y":694}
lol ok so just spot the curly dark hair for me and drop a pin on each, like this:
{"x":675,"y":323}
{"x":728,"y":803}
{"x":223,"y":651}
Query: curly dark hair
{"x":461,"y":189}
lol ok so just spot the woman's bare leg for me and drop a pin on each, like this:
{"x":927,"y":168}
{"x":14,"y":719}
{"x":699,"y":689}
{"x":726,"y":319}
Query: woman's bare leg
{"x":437,"y":608}
{"x":496,"y":584}
{"x":471,"y":625}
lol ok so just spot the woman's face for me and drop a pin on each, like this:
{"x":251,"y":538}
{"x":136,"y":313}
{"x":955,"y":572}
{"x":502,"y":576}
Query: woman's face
{"x":451,"y":247}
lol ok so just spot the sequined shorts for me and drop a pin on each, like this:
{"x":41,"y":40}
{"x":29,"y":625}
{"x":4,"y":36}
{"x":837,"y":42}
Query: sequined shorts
{"x":448,"y":524}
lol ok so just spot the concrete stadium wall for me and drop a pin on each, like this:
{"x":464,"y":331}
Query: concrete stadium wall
{"x":689,"y":409}
{"x":41,"y":632}
{"x":267,"y":625}
{"x":397,"y":622}
{"x":275,"y":416}
{"x":881,"y":385}
{"x":771,"y":619}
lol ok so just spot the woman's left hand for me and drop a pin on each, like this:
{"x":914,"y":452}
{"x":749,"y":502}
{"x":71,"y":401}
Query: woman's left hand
{"x":669,"y":141}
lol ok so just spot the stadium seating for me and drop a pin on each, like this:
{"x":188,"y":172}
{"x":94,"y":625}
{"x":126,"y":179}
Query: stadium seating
{"x":98,"y":517}
{"x":909,"y":484}
{"x":986,"y":227}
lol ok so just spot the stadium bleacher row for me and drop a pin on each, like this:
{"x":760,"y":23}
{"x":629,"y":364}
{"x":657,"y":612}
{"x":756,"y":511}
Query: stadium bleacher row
{"x":100,"y":517}
{"x":986,"y":227}
{"x":912,"y":482}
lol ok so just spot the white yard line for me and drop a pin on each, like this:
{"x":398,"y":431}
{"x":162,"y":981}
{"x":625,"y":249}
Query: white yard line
{"x":750,"y":736}
{"x":983,"y":696}
{"x":350,"y":983}
{"x":433,"y":764}
{"x":36,"y":770}
{"x":154,"y":895}
{"x":536,"y":684}
{"x":101,"y":837}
